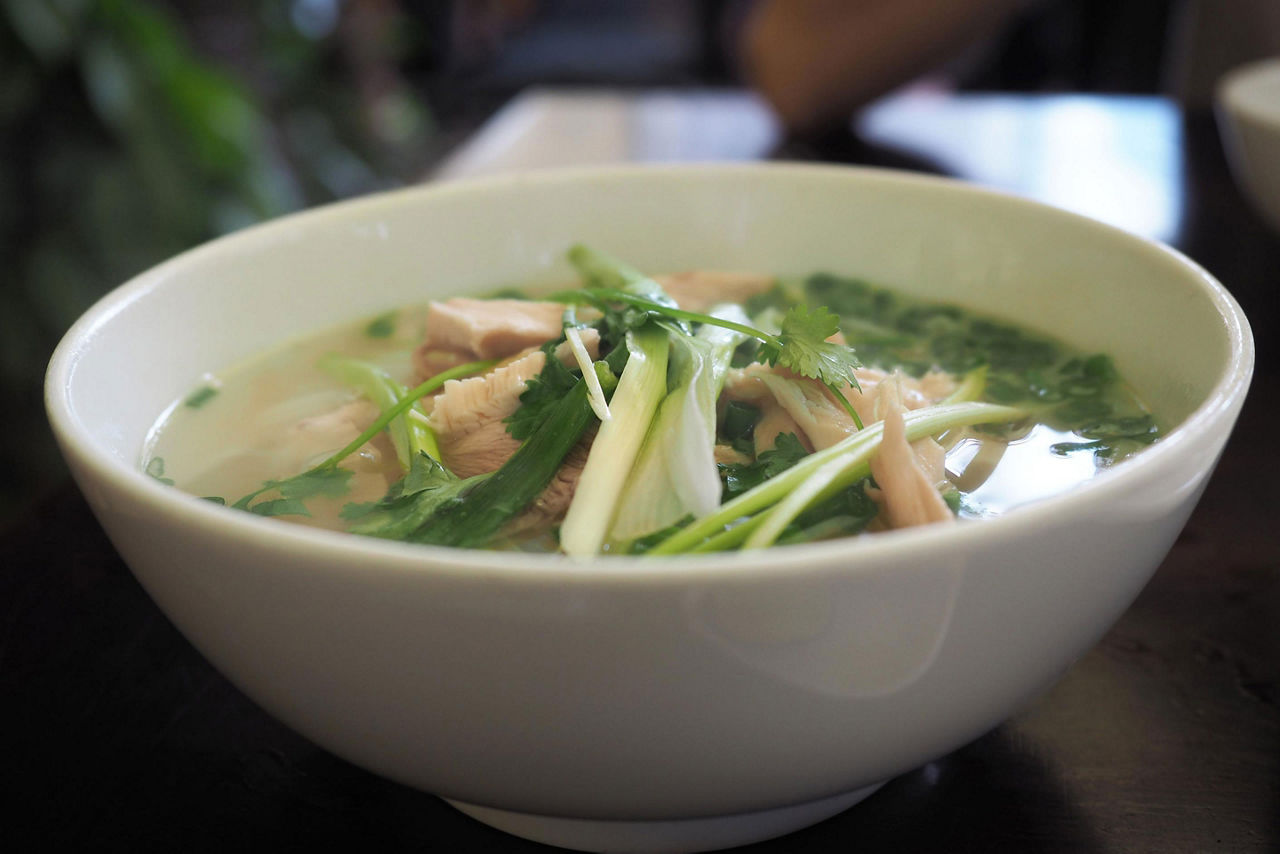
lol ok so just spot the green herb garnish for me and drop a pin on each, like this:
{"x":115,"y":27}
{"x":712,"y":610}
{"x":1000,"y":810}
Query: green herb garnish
{"x":501,"y":496}
{"x":382,"y":326}
{"x":740,"y":477}
{"x":410,"y":501}
{"x":326,"y":478}
{"x":155,"y":468}
{"x":200,"y":396}
{"x":542,"y":392}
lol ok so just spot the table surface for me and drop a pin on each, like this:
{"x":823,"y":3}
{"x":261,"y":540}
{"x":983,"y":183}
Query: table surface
{"x":1165,"y":737}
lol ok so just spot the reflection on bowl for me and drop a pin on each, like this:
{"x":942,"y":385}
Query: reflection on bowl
{"x":620,"y":703}
{"x":1248,"y":102}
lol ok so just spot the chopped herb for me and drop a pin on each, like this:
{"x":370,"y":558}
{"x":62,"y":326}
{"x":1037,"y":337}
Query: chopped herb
{"x":738,"y":424}
{"x":329,"y":480}
{"x":740,"y":477}
{"x":155,"y":468}
{"x":279,"y":507}
{"x":382,"y":326}
{"x":779,"y":298}
{"x":509,"y":293}
{"x":200,"y":396}
{"x":320,"y":481}
{"x":1106,"y":437}
{"x":850,"y":297}
{"x":409,"y":503}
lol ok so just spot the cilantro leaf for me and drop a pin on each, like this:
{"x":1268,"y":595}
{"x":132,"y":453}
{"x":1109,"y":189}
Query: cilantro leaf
{"x":410,"y":502}
{"x":1106,"y":437}
{"x":200,"y":397}
{"x":280,"y":507}
{"x":741,"y":477}
{"x":321,"y":481}
{"x":802,"y":346}
{"x":328,"y":482}
{"x":155,"y":468}
{"x":541,"y":394}
{"x":382,"y":326}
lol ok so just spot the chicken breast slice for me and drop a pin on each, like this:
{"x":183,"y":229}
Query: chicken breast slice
{"x":490,"y":328}
{"x":468,"y":415}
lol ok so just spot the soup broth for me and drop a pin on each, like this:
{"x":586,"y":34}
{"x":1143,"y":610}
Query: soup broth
{"x":282,"y":414}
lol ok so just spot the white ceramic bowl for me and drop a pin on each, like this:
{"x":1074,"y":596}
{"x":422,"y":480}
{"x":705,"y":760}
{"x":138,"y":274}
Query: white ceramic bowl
{"x":1248,"y":106}
{"x":624,"y":704}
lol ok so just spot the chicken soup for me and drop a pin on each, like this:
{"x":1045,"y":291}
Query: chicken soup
{"x":665,"y":414}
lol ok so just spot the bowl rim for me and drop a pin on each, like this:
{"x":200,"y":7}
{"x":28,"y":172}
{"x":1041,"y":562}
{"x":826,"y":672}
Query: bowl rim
{"x":1236,"y":91}
{"x":847,"y":555}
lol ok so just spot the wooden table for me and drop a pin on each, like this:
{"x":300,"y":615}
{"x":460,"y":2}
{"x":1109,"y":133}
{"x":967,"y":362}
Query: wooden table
{"x":115,"y":734}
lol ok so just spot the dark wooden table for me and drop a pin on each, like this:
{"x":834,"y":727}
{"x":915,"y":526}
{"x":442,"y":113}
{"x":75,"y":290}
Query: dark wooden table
{"x":116,"y":735}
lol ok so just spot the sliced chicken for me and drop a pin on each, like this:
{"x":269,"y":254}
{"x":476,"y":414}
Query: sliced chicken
{"x":700,"y":290}
{"x":313,"y":439}
{"x":490,"y":328}
{"x":467,"y":416}
{"x":908,"y":474}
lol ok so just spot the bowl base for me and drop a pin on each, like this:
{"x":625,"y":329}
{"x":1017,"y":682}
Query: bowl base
{"x":660,"y":837}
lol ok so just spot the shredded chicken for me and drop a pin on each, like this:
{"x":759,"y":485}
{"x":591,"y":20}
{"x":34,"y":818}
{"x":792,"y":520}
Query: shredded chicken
{"x":907,"y":473}
{"x":795,"y":404}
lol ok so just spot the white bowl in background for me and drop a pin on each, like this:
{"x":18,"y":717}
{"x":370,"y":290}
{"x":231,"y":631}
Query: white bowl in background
{"x":630,"y":704}
{"x":1248,"y":106}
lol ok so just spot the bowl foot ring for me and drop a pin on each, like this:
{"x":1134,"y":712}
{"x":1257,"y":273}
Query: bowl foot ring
{"x":660,"y":837}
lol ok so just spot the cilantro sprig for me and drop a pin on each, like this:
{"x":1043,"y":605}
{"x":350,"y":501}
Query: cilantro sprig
{"x":327,"y":479}
{"x":410,"y":502}
{"x":801,"y":345}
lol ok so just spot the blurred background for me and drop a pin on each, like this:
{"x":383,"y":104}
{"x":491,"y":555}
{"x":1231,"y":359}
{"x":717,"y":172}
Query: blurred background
{"x":132,"y":130}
